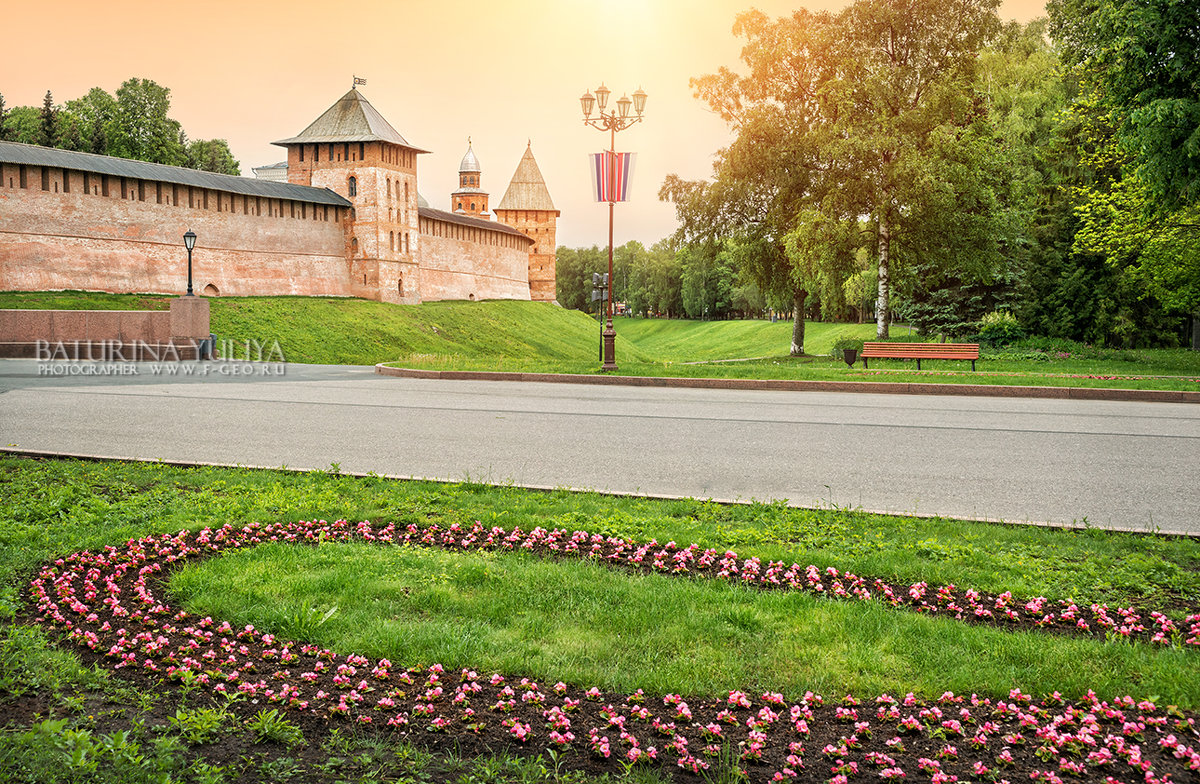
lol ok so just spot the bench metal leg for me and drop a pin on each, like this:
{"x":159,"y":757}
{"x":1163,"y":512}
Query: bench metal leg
{"x":972,"y":366}
{"x":918,"y":363}
{"x":865,"y":364}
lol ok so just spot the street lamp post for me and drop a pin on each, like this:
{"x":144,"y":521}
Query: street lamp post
{"x":611,"y":121}
{"x":189,"y":242}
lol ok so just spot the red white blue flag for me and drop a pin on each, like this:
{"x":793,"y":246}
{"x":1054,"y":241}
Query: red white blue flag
{"x":611,"y":173}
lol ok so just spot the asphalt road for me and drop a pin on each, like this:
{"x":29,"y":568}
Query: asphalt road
{"x":1113,"y":464}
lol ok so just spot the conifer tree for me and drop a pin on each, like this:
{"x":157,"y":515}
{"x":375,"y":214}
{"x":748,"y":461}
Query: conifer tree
{"x":48,"y":133}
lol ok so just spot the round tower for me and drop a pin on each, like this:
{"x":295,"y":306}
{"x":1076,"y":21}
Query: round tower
{"x":470,"y":198}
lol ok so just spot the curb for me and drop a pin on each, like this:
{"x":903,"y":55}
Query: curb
{"x":788,"y":385}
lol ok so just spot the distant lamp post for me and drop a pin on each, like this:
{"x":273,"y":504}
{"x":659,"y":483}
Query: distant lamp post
{"x":189,"y":242}
{"x":612,"y":122}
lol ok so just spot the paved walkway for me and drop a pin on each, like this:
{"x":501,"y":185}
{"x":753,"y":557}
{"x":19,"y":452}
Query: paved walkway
{"x":1127,"y":465}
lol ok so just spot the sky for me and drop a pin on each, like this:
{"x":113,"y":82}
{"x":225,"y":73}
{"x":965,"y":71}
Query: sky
{"x":503,"y":73}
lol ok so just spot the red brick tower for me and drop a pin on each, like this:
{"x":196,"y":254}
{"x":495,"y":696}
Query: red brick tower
{"x":527,"y":207}
{"x":470,"y":198}
{"x":353,"y":151}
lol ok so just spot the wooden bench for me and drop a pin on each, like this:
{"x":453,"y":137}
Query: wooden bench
{"x":919,"y":351}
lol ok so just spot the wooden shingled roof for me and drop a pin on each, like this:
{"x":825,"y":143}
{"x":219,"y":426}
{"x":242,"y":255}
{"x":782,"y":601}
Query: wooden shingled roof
{"x":527,"y":190}
{"x":351,"y":119}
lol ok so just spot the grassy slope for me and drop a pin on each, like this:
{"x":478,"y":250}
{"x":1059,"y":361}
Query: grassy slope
{"x":329,"y":330}
{"x":536,"y":337}
{"x":697,"y":341}
{"x":348,"y":331}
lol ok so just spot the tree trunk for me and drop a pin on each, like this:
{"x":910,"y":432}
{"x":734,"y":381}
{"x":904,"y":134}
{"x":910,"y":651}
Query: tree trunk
{"x":1196,"y":332}
{"x":882,"y":315}
{"x":798,"y":322}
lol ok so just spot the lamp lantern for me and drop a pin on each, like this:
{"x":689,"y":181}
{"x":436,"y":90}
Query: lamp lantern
{"x":587,"y":101}
{"x":602,"y":94}
{"x":189,"y":242}
{"x":639,"y":101}
{"x":623,"y":104}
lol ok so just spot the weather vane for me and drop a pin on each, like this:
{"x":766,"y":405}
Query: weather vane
{"x":358,"y":81}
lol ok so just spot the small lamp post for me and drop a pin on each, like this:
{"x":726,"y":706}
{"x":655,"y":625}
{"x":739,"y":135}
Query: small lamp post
{"x":189,"y":242}
{"x":612,"y":122}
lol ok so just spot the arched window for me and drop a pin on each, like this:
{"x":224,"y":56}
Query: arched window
{"x":353,"y":187}
{"x":472,"y":206}
{"x":354,"y":246}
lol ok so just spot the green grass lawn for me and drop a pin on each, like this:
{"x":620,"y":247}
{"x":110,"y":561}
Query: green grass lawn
{"x":542,"y":338}
{"x":681,"y":340}
{"x":571,"y":620}
{"x":591,"y":626}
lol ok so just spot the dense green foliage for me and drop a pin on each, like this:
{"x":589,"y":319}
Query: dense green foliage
{"x":135,"y":123}
{"x":960,"y":174}
{"x":1138,"y":113}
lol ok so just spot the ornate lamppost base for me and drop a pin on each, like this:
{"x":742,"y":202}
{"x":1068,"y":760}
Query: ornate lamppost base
{"x":610,"y":347}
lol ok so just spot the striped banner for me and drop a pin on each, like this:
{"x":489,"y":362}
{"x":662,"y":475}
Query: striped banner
{"x":611,"y":173}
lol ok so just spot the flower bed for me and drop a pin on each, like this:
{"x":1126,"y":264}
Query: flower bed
{"x":111,"y":604}
{"x":946,"y":600}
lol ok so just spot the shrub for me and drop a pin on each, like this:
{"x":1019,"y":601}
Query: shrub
{"x":841,"y":344}
{"x":999,"y":328}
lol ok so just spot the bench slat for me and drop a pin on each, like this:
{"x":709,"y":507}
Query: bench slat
{"x":919,"y":351}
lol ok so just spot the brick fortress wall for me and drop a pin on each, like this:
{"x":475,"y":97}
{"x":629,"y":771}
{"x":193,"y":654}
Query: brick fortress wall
{"x":64,"y":229}
{"x":497,"y":268}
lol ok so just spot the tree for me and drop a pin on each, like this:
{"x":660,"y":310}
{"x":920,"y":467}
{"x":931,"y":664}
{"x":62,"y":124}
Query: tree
{"x":70,"y":133}
{"x":906,"y":135}
{"x":24,"y":124}
{"x":1143,"y":58}
{"x":96,"y":113}
{"x":1139,"y":101}
{"x":766,"y":176}
{"x":707,"y":280}
{"x":573,"y":276}
{"x":141,"y":128}
{"x":870,"y":113}
{"x":48,"y":133}
{"x":212,"y":155}
{"x":3,"y":114}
